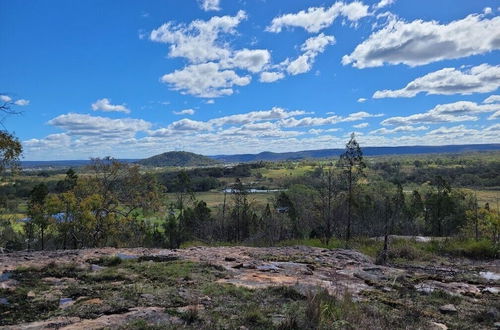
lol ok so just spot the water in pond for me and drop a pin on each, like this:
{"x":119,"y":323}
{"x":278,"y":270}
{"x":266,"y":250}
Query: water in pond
{"x":4,"y":301}
{"x":252,"y":191}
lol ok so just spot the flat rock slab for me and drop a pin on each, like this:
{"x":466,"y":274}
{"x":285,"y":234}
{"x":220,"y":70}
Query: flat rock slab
{"x":305,"y":268}
{"x":250,"y":267}
{"x":448,"y":309}
{"x":337,"y":270}
{"x":152,"y":315}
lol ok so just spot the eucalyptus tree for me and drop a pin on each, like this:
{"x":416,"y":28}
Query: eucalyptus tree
{"x":37,"y":210}
{"x":327,"y":189}
{"x":241,"y":213}
{"x":10,"y":146}
{"x":352,"y":165}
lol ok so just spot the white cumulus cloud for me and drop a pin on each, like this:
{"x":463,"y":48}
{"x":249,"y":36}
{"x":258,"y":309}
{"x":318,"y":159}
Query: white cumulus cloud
{"x":422,"y":42}
{"x":253,"y":116}
{"x":483,"y":78}
{"x":19,"y":102}
{"x":361,"y":125}
{"x":492,"y":99}
{"x":205,"y":80}
{"x":445,"y":113}
{"x":85,"y":125}
{"x":106,"y":106}
{"x":314,"y":19}
{"x":189,"y":112}
{"x":383,"y":3}
{"x":311,"y":48}
{"x":253,"y":60}
{"x":22,"y":102}
{"x":269,"y":77}
{"x":399,"y":129}
{"x":5,"y":98}
{"x":207,"y":5}
{"x":198,"y":41}
{"x":189,"y":125}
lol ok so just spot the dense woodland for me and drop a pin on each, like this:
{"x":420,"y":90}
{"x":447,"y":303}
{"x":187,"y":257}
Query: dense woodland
{"x":109,"y":203}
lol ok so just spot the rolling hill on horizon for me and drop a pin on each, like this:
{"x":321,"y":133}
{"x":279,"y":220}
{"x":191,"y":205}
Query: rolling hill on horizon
{"x":182,"y":158}
{"x":178,"y":158}
{"x":367,"y":151}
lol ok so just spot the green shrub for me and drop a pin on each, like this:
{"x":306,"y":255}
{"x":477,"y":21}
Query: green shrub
{"x":107,"y":261}
{"x":190,"y":315}
{"x":483,"y":249}
{"x":255,"y":318}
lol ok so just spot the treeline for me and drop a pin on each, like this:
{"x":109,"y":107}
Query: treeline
{"x":205,"y":179}
{"x":109,"y":204}
{"x":463,"y":173}
{"x":202,"y":179}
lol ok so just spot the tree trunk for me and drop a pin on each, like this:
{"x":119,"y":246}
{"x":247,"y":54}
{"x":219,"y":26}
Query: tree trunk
{"x":476,"y":219}
{"x":42,"y":230}
{"x":386,"y":233}
{"x":224,"y":215}
{"x":349,"y":201}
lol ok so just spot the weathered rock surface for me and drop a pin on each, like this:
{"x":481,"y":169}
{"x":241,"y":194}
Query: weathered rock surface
{"x":438,"y":326}
{"x":305,"y":268}
{"x":152,"y":315}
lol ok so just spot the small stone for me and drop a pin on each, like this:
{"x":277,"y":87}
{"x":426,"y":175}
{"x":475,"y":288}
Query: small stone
{"x":96,"y":268}
{"x":205,"y":300}
{"x":369,"y":279}
{"x":31,"y":294}
{"x":438,"y":326}
{"x":491,"y":290}
{"x":490,"y":276}
{"x":123,"y":256}
{"x":448,"y":309}
{"x":9,"y":285}
{"x":268,"y":268}
{"x":66,"y":302}
{"x":496,"y":325}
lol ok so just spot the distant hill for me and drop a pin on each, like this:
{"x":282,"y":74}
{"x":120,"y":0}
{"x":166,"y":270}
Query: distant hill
{"x":367,"y":151}
{"x":178,"y":158}
{"x":181,"y":158}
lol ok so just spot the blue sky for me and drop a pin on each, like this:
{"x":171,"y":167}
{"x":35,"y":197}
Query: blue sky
{"x":131,"y":79}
